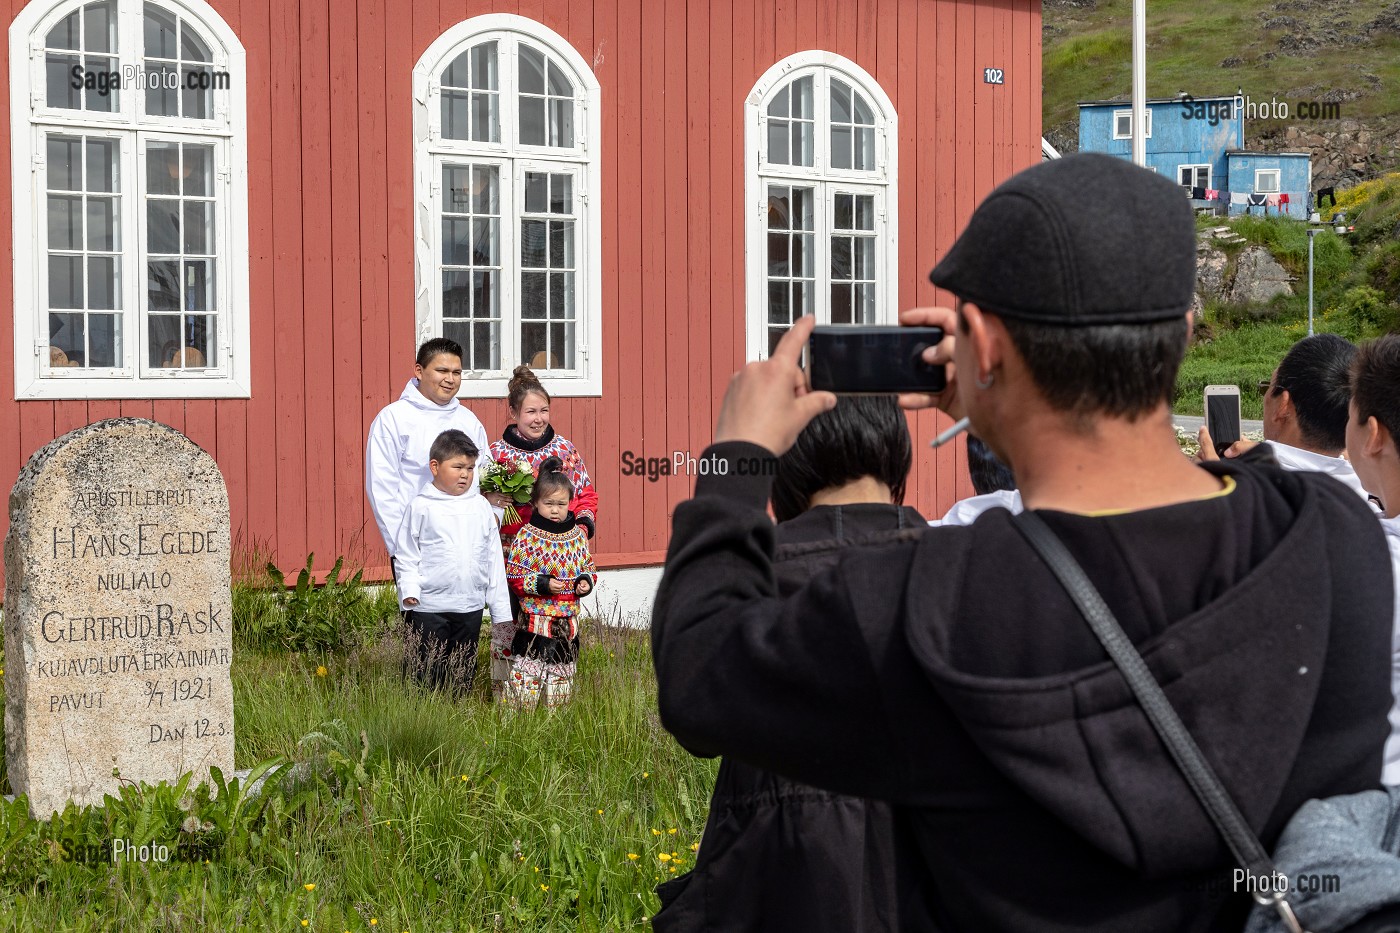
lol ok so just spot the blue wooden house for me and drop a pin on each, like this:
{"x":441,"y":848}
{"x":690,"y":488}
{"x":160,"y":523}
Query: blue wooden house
{"x":1280,"y":174}
{"x":1199,"y":143}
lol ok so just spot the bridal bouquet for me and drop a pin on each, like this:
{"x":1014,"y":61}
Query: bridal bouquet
{"x":514,"y":480}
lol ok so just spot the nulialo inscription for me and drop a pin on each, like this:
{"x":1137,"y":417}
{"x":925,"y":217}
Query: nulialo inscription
{"x":118,"y":615}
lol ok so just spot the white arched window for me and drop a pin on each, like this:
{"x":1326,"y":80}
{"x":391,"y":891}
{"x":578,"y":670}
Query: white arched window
{"x":820,"y":196}
{"x":507,"y":226}
{"x":129,"y":171}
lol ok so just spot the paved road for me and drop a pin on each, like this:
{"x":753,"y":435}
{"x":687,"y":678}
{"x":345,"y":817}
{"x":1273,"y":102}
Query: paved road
{"x":1192,"y":424}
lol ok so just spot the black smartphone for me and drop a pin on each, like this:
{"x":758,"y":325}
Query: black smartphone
{"x":1223,"y":415}
{"x":868,"y":360}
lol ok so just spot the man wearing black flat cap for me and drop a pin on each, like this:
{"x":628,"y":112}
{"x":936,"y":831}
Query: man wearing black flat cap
{"x":950,"y":674}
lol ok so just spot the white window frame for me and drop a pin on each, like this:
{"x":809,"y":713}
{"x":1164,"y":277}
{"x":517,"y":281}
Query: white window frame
{"x":1147,"y":124}
{"x":431,"y":151}
{"x":31,"y":119}
{"x":1195,"y":172}
{"x":1260,"y":174}
{"x":758,"y":174}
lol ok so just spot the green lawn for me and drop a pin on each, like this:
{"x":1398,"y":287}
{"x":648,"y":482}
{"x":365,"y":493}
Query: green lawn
{"x":408,"y":811}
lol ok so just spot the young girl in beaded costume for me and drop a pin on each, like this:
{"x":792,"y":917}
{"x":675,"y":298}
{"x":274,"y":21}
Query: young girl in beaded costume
{"x":548,"y":567}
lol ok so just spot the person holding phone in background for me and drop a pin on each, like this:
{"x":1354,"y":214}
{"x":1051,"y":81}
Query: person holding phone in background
{"x":951,"y":674}
{"x":1305,"y":411}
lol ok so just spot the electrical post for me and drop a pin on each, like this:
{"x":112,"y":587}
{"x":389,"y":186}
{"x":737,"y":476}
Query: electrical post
{"x":1139,"y":82}
{"x":1312,"y":232}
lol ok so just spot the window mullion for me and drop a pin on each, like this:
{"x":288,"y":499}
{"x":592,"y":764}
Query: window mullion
{"x":821,"y":302}
{"x":511,"y":319}
{"x":129,"y":52}
{"x":510,"y":106}
{"x":133,"y":256}
{"x":40,"y":318}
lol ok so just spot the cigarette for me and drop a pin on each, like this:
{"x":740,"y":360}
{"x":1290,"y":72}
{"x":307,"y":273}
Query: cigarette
{"x":951,"y":433}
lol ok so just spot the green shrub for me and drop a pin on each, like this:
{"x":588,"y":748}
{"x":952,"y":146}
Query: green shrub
{"x":336,"y":616}
{"x":1383,"y":270}
{"x":1366,"y":310}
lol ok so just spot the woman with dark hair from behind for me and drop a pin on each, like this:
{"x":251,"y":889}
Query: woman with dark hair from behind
{"x":776,"y":854}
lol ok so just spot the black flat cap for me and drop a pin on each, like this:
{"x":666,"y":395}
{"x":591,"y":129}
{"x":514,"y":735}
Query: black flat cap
{"x":1087,"y":239}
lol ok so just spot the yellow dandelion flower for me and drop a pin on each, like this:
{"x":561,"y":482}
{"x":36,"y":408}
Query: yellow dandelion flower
{"x":537,"y":869}
{"x":665,"y":856}
{"x":633,"y":856}
{"x":673,"y":871}
{"x":656,"y":832}
{"x":646,"y":774}
{"x":321,"y":670}
{"x":600,"y":812}
{"x":465,"y":778}
{"x":544,"y":887}
{"x":374,"y":921}
{"x":670,"y":832}
{"x":309,"y":887}
{"x":695,"y":847}
{"x":306,"y":923}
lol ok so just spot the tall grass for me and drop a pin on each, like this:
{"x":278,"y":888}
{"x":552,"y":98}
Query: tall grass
{"x":472,"y":818}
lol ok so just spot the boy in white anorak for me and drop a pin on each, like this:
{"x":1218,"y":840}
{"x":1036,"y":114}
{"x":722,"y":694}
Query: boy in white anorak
{"x":450,"y":566}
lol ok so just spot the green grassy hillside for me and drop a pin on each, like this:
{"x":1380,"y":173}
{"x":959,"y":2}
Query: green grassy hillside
{"x":1289,"y":50}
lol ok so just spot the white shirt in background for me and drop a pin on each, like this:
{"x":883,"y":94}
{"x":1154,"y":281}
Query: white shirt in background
{"x":967,"y":511}
{"x":1294,"y":458}
{"x":1390,"y":773}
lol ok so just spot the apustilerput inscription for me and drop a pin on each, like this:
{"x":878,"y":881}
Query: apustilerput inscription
{"x":118,"y":615}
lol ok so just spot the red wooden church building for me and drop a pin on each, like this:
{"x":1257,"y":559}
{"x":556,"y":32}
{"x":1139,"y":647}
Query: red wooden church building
{"x":240,"y":217}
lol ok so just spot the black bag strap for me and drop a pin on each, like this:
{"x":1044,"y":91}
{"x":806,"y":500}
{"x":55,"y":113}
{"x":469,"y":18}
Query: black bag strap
{"x":1229,"y":822}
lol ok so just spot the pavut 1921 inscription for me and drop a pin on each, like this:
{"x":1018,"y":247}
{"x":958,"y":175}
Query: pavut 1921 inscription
{"x":118,"y":615}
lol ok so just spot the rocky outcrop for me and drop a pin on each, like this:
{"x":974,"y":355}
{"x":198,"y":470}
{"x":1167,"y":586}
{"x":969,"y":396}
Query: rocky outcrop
{"x":1254,"y":277}
{"x":1210,"y":271}
{"x":1258,"y":277}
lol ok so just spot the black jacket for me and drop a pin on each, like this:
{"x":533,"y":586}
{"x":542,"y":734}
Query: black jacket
{"x":953,"y":677}
{"x":780,"y":855}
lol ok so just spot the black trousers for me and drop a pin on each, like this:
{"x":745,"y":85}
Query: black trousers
{"x":441,"y":647}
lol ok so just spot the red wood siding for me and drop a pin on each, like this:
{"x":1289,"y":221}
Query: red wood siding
{"x":331,"y":235}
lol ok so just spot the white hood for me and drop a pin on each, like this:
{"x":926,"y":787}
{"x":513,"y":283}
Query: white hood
{"x":396,"y":458}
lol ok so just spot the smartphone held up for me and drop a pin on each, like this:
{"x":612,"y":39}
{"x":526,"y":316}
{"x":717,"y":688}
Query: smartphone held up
{"x":873,"y":360}
{"x":1222,"y":408}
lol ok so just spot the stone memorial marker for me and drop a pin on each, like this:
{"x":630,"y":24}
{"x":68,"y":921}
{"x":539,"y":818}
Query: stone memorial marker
{"x":118,"y":615}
